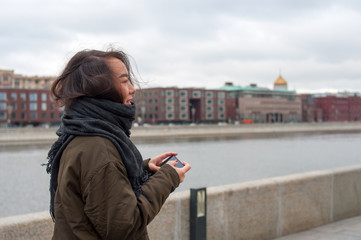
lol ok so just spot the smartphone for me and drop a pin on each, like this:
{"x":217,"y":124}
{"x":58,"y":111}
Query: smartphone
{"x":173,"y":158}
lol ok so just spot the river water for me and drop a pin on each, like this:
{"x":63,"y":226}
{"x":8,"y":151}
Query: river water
{"x":215,"y":161}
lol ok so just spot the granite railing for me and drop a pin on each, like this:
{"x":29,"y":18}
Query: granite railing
{"x":263,"y":209}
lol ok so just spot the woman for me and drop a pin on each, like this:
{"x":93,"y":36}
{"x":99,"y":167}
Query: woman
{"x":100,"y":187}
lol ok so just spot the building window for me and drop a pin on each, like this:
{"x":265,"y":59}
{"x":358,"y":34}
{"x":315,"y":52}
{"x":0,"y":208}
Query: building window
{"x":209,"y":115}
{"x":170,"y":115}
{"x":44,"y":97}
{"x":44,"y":115}
{"x":170,"y":100}
{"x":52,"y":115}
{"x":221,"y":116}
{"x":209,"y":101}
{"x":2,"y":106}
{"x":33,"y":106}
{"x":14,"y":106}
{"x":196,"y":94}
{"x":209,"y":109}
{"x":23,"y":106}
{"x":14,"y":96}
{"x":183,"y":108}
{"x":183,"y":116}
{"x":13,"y":116}
{"x":170,"y":109}
{"x":23,"y":116}
{"x":2,"y":96}
{"x":33,"y":97}
{"x":183,"y":100}
{"x":221,"y":102}
{"x":209,"y":94}
{"x":221,"y":109}
{"x":23,"y":96}
{"x":43,"y":106}
{"x":33,"y":115}
{"x":183,"y":93}
{"x":2,"y":115}
{"x":169,"y":93}
{"x":221,"y":95}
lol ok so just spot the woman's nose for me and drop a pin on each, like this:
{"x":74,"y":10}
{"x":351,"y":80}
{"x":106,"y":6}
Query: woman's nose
{"x":131,"y":89}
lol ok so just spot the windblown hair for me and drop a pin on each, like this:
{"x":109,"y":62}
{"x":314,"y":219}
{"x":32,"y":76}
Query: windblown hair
{"x":88,"y":74}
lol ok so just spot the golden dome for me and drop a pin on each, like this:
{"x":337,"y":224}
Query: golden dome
{"x":280,"y":81}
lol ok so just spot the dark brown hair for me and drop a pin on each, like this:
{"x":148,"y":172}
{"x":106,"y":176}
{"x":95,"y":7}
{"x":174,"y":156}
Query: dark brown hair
{"x":88,"y":74}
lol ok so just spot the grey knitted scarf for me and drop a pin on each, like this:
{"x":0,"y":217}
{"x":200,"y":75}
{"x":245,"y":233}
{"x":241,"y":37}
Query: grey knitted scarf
{"x":98,"y":117}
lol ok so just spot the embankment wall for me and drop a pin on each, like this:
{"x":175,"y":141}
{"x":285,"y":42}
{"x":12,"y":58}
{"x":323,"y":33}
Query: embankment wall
{"x":21,"y":136}
{"x":263,"y":209}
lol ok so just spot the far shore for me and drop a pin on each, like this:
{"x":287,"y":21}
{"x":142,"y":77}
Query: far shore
{"x":32,"y":136}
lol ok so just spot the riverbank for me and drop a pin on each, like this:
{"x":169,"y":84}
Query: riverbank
{"x":27,"y":136}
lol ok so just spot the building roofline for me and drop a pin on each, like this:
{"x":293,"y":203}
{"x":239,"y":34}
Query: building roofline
{"x":255,"y":89}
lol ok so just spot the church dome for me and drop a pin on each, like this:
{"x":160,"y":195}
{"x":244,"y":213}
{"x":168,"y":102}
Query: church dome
{"x":280,"y":81}
{"x":280,"y":84}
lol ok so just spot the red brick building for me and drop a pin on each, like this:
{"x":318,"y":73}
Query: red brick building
{"x":355,"y":107}
{"x":21,"y":107}
{"x":180,"y":105}
{"x":331,"y":108}
{"x":310,"y":112}
{"x":334,"y":108}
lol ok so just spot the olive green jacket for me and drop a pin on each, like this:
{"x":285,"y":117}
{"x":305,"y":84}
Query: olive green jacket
{"x":94,"y":198}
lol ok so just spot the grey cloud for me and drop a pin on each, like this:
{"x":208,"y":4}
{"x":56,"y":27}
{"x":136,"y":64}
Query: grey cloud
{"x":185,"y":42}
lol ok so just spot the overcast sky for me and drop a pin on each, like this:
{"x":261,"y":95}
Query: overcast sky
{"x":315,"y":44}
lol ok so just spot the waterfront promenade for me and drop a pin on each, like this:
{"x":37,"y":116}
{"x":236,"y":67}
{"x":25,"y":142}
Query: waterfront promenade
{"x":22,"y":136}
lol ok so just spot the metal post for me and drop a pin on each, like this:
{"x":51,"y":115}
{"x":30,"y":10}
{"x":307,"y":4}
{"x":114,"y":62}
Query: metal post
{"x":198,"y":214}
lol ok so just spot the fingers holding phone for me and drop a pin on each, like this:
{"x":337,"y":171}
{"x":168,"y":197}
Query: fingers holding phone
{"x":179,"y":166}
{"x":182,"y":171}
{"x":156,"y":162}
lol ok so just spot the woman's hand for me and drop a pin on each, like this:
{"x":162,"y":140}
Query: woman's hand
{"x":181,"y":171}
{"x":154,"y":163}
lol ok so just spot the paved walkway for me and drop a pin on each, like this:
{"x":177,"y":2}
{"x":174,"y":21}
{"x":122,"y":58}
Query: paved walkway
{"x":348,"y":229}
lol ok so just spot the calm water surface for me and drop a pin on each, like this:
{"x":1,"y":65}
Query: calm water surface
{"x":24,"y":182}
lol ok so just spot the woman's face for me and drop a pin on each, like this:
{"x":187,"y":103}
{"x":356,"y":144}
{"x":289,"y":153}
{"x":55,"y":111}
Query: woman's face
{"x":122,"y":83}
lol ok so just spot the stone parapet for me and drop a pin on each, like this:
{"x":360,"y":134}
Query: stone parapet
{"x":22,"y":136}
{"x":263,"y":209}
